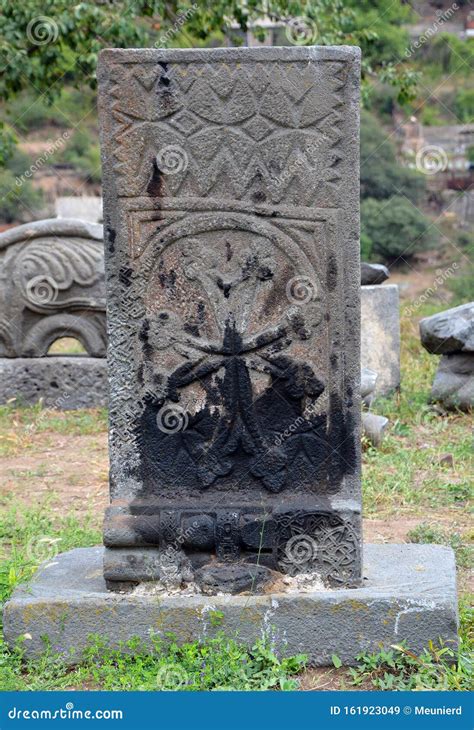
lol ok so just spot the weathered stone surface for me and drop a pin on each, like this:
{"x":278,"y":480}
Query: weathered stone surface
{"x":453,"y":385}
{"x":380,"y":335}
{"x":64,"y":383}
{"x":408,"y":593}
{"x":368,"y":381}
{"x":231,"y":231}
{"x":232,"y":577}
{"x":371,"y":274}
{"x":374,"y":427}
{"x":52,"y":286}
{"x":449,"y":332}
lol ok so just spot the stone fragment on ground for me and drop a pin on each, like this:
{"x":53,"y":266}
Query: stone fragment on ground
{"x":451,"y":334}
{"x":374,"y":427}
{"x":448,"y":332}
{"x":371,"y":274}
{"x":453,"y":385}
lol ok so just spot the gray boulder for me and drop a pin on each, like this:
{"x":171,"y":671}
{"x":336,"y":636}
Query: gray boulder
{"x":373,"y":274}
{"x":449,"y":332}
{"x":453,"y":385}
{"x":374,"y":427}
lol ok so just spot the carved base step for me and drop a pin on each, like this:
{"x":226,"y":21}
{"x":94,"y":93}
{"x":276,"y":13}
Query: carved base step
{"x":64,"y":383}
{"x":147,"y":540}
{"x":408,"y":593}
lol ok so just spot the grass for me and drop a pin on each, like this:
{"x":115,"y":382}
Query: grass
{"x":426,"y":479}
{"x":435,"y":668}
{"x":218,"y":663}
{"x":19,"y":426}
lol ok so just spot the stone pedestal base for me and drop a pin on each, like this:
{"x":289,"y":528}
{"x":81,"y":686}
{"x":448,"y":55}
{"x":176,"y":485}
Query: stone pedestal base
{"x":409,"y":593}
{"x":64,"y":382}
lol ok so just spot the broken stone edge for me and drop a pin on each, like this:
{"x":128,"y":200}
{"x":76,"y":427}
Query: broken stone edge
{"x":409,"y":594}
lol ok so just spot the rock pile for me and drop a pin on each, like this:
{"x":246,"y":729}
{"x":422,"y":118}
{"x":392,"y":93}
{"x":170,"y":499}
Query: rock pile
{"x":451,"y":334}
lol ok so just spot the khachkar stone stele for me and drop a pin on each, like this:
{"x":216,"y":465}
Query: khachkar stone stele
{"x":232,"y":263}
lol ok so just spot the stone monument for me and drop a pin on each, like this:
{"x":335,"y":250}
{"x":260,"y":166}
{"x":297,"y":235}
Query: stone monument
{"x":52,"y":286}
{"x":231,"y":231}
{"x":231,"y":237}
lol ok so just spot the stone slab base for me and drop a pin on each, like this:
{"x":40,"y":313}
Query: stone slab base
{"x":409,"y":594}
{"x":64,"y":383}
{"x":380,"y":335}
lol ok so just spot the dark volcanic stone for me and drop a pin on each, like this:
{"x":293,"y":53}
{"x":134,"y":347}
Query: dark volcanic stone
{"x":450,"y":331}
{"x":231,"y":578}
{"x":453,"y":385}
{"x":373,"y":274}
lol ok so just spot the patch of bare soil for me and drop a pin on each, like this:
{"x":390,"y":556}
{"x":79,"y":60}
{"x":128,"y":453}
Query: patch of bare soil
{"x":71,"y":471}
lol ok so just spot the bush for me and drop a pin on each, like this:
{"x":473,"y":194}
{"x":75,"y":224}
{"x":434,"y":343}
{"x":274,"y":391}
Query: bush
{"x":396,"y":228}
{"x":462,"y":285}
{"x":18,"y":203}
{"x":83,"y":153}
{"x":446,"y":54}
{"x":28,"y":112}
{"x":464,"y":105}
{"x":380,"y":174}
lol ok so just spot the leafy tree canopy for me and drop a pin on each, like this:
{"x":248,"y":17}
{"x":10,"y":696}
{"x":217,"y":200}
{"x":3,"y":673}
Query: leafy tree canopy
{"x":46,"y":43}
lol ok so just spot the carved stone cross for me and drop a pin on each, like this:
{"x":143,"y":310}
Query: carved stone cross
{"x":232,"y":251}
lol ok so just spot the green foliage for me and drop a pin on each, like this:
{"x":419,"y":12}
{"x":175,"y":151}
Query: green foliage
{"x":83,"y":153}
{"x":396,"y":228}
{"x":8,"y":141}
{"x":218,"y":663}
{"x":462,"y":284}
{"x":366,"y":246}
{"x":430,"y":116}
{"x":28,"y":111}
{"x":434,"y":534}
{"x":447,"y":54}
{"x":393,"y":483}
{"x":52,"y":43}
{"x":464,"y":105}
{"x":402,"y":670}
{"x":29,"y":535}
{"x":18,"y":202}
{"x":380,"y":174}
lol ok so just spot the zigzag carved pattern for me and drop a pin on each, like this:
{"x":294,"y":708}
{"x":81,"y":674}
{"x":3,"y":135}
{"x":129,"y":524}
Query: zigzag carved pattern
{"x":247,"y":132}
